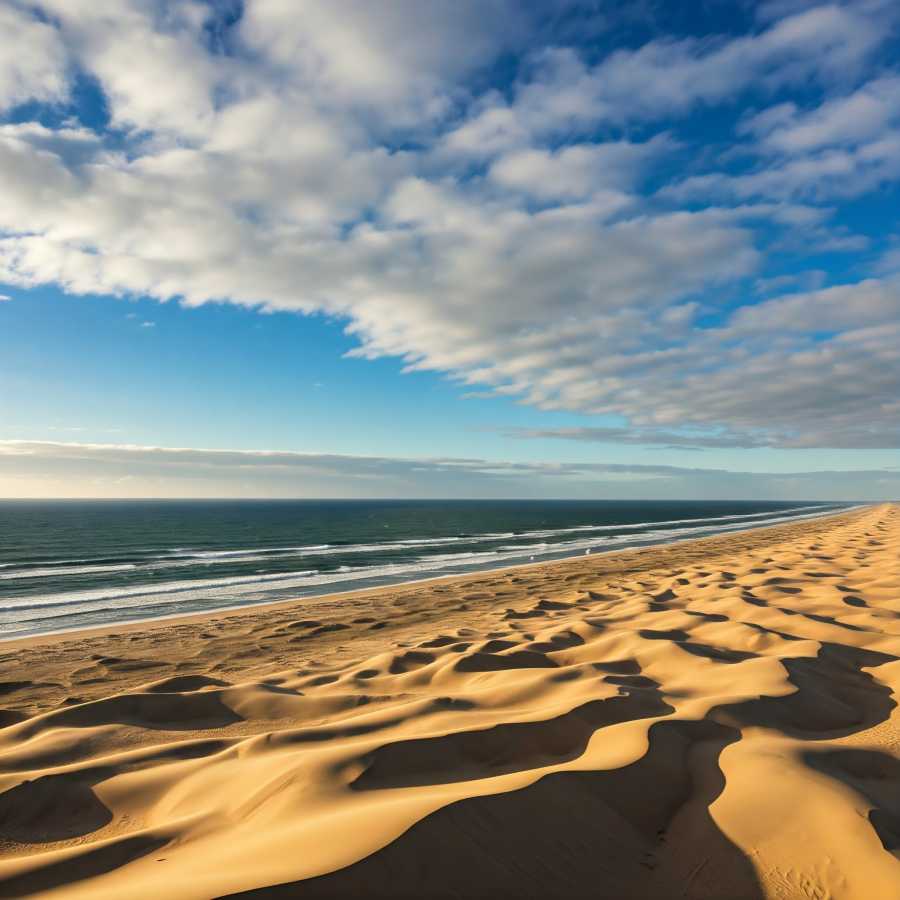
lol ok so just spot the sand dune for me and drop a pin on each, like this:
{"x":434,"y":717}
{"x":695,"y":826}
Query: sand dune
{"x":716,"y":719}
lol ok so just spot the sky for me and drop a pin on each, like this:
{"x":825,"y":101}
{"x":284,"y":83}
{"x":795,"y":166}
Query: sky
{"x":461,"y":248}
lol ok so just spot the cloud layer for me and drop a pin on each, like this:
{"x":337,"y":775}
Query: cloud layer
{"x":39,"y":469}
{"x":549,"y":228}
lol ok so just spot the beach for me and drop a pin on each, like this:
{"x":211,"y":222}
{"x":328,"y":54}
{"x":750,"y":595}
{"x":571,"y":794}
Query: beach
{"x":715,"y":718}
{"x":69,"y":565}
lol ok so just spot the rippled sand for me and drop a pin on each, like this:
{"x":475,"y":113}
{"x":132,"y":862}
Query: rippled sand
{"x":715,"y":719}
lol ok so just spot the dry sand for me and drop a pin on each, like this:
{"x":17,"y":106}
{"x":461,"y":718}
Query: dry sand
{"x":716,"y":719}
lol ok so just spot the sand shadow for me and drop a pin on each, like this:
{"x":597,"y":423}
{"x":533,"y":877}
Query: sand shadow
{"x":569,"y":835}
{"x":52,"y":808}
{"x":98,"y":860}
{"x":874,"y":775}
{"x":707,"y":651}
{"x":155,"y":711}
{"x":834,"y":697}
{"x":513,"y":747}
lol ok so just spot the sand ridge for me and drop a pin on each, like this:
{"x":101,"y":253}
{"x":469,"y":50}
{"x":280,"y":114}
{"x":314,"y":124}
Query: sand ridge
{"x":716,"y":719}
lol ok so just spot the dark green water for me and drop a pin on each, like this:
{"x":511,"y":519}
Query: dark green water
{"x":76,"y":564}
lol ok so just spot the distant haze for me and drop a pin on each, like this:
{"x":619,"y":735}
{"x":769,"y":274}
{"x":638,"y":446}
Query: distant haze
{"x":29,"y":469}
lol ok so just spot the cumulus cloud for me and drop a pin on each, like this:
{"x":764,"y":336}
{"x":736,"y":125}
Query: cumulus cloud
{"x":576,"y":171}
{"x":832,"y":173}
{"x":530,"y":238}
{"x":398,"y":55}
{"x":841,"y":121}
{"x":845,"y":146}
{"x":835,"y":309}
{"x":33,"y":58}
{"x":565,"y":94}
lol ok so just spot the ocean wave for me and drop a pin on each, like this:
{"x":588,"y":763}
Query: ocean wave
{"x":241,"y":589}
{"x":53,"y":571}
{"x":415,"y":542}
{"x":146,"y":590}
{"x":187,"y":557}
{"x":261,"y":551}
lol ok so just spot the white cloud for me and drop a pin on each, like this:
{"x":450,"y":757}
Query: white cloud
{"x":819,"y":176}
{"x":846,"y":146}
{"x":398,"y":55}
{"x":846,"y":306}
{"x":33,"y":59}
{"x":579,"y":170}
{"x":134,"y":49}
{"x":349,"y":161}
{"x":666,"y":77}
{"x":841,"y":121}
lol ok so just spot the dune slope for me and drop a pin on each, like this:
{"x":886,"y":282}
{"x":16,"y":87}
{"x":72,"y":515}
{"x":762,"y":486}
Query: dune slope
{"x":717,"y":719}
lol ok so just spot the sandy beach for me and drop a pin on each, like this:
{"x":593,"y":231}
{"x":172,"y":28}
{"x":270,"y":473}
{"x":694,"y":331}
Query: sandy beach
{"x":712,"y":719}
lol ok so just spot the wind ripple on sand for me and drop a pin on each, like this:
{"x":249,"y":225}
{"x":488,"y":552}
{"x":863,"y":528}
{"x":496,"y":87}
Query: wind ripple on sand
{"x":715,"y":720}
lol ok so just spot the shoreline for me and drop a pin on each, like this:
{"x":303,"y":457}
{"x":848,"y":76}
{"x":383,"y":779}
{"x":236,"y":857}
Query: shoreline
{"x":129,"y":625}
{"x":721,"y":713}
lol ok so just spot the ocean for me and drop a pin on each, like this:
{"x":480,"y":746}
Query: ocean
{"x":68,"y":565}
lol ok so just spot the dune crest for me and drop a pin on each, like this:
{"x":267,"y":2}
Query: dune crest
{"x":716,"y":719}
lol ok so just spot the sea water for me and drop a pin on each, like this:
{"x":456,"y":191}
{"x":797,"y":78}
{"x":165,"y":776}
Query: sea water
{"x":76,"y":564}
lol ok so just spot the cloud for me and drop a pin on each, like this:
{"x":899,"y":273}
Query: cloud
{"x":4,"y":298}
{"x":890,"y":260}
{"x":833,"y":173}
{"x":850,"y":120}
{"x":577,"y":171}
{"x":835,"y":309}
{"x":643,"y":437}
{"x":132,"y":48}
{"x":846,"y":146}
{"x":398,"y":54}
{"x":33,"y":58}
{"x":863,"y":436}
{"x":54,"y":469}
{"x":529,"y":235}
{"x":666,"y":77}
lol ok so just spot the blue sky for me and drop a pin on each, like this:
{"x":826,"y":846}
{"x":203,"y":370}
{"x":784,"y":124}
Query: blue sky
{"x":555,"y":249}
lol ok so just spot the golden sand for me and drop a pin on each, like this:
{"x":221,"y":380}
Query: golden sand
{"x":714,"y":719}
